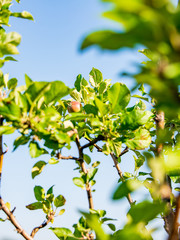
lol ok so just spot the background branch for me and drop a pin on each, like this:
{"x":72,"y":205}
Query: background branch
{"x":169,"y":217}
{"x":1,"y":152}
{"x":175,"y":234}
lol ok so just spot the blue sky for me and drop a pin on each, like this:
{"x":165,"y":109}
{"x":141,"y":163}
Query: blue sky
{"x":50,"y":51}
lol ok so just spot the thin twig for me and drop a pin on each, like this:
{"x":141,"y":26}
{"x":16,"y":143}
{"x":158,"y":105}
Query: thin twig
{"x":13,"y":220}
{"x":94,"y":141}
{"x":67,"y":158}
{"x":129,"y":198}
{"x":83,"y":168}
{"x":120,"y":173}
{"x":44,"y":224}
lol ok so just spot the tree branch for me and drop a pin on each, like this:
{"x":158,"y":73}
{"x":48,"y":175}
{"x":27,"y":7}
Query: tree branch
{"x":59,"y":156}
{"x":91,"y":143}
{"x":1,"y":152}
{"x":116,"y":164}
{"x":175,"y":234}
{"x":44,"y":224}
{"x":83,"y":168}
{"x":13,"y":220}
{"x":166,"y":183}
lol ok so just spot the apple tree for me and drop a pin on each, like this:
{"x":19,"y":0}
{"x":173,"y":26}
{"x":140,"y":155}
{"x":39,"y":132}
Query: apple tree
{"x":98,"y":116}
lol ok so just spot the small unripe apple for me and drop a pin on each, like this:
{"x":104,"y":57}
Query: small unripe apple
{"x":74,"y":106}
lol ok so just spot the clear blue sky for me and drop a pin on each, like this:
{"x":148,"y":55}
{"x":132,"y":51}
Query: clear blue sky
{"x":50,"y":51}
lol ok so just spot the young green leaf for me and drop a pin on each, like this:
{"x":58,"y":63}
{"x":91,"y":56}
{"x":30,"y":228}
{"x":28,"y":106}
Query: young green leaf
{"x":63,"y":233}
{"x":141,"y":140}
{"x":87,"y":159}
{"x":91,"y":173}
{"x":35,"y":206}
{"x":95,"y":77}
{"x":59,"y":201}
{"x":22,"y":140}
{"x":12,"y":83}
{"x":79,"y":182}
{"x":37,"y":168}
{"x":39,"y":193}
{"x":24,"y":14}
{"x":6,"y":130}
{"x":119,"y":97}
{"x":35,"y":151}
{"x":61,"y":212}
{"x":112,"y":226}
{"x":102,"y":107}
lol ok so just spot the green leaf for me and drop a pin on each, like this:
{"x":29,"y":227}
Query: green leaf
{"x":108,"y":40}
{"x":57,"y":90}
{"x":141,"y":140}
{"x":135,"y":118}
{"x":12,"y":83}
{"x":59,"y":201}
{"x":23,"y":14}
{"x":87,"y":159}
{"x":61,"y":212}
{"x":21,"y":101}
{"x":35,"y":151}
{"x":50,"y":197}
{"x":50,"y":190}
{"x":77,"y":83}
{"x":89,"y":108}
{"x":63,"y":233}
{"x":10,"y":111}
{"x":112,"y":226}
{"x":22,"y":140}
{"x":79,"y":182}
{"x":94,"y":223}
{"x":140,"y":97}
{"x":35,"y":206}
{"x":132,"y":231}
{"x":91,"y":173}
{"x":172,"y":163}
{"x":139,"y":161}
{"x":77,"y":116}
{"x":53,"y":161}
{"x":102,"y":107}
{"x":39,"y":193}
{"x":125,"y":188}
{"x":28,"y":80}
{"x":95,"y":77}
{"x":145,"y":211}
{"x":95,"y":164}
{"x":119,"y":97}
{"x":8,"y":43}
{"x":76,"y":95}
{"x":6,"y":130}
{"x":37,"y":168}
